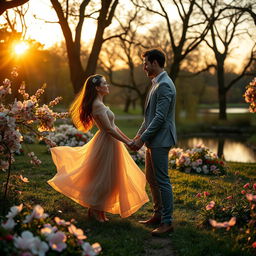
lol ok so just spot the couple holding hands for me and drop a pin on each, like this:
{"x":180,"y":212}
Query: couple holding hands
{"x":101,"y":175}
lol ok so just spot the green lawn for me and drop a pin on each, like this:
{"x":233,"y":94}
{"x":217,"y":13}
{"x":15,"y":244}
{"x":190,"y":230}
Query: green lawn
{"x":127,"y":237}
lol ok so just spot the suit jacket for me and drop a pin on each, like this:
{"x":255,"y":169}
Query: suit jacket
{"x":158,"y":128}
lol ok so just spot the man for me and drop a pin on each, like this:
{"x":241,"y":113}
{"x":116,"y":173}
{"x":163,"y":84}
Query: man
{"x":158,"y":132}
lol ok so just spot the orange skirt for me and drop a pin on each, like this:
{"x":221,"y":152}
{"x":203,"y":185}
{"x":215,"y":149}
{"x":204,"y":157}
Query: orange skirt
{"x":100,"y":175}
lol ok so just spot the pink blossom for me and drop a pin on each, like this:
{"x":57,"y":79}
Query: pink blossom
{"x":14,"y":211}
{"x":210,"y":206}
{"x":48,"y":229}
{"x":91,"y":250}
{"x":24,"y":241}
{"x":9,"y":224}
{"x":199,"y":161}
{"x":254,"y":186}
{"x":199,"y":195}
{"x":229,"y":197}
{"x":57,"y":241}
{"x":55,"y":101}
{"x":39,"y":247}
{"x":213,"y":167}
{"x":76,"y":231}
{"x":24,"y":179}
{"x":61,"y":222}
{"x":225,"y":224}
{"x":246,"y":185}
{"x":38,"y":213}
{"x":31,"y":154}
{"x":251,"y":197}
{"x":243,"y":192}
{"x":206,"y":193}
{"x":254,"y":245}
{"x":4,"y":165}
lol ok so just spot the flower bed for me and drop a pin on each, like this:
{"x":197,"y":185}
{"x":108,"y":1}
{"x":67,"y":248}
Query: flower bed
{"x":68,"y":135}
{"x":236,"y":213}
{"x":139,"y":156}
{"x":35,"y":233}
{"x":196,"y":160}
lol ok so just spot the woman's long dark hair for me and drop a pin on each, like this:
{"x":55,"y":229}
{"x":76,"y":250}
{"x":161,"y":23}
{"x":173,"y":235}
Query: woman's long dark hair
{"x":81,"y":108}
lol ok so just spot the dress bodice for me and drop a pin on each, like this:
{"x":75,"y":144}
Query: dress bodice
{"x":103,"y":117}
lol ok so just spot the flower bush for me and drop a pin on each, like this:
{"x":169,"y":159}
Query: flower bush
{"x":198,"y":160}
{"x":35,"y":233}
{"x":250,"y":95}
{"x":68,"y":135}
{"x":235,"y":213}
{"x":139,"y":156}
{"x":20,"y":117}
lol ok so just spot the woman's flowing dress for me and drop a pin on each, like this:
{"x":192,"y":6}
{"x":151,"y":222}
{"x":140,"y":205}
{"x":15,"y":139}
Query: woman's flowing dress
{"x":101,"y":174}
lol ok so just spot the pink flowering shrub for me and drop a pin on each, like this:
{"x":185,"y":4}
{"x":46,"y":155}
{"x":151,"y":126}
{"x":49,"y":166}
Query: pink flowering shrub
{"x":35,"y":233}
{"x":196,"y":160}
{"x":235,"y":213}
{"x":250,"y":95}
{"x":22,"y":116}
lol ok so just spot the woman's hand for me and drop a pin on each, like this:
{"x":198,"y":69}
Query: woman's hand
{"x":129,"y":142}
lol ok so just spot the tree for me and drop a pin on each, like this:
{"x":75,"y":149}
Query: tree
{"x":222,"y":35}
{"x":245,"y":7}
{"x":5,"y":5}
{"x":105,"y":15}
{"x":127,"y":49}
{"x":186,"y":34}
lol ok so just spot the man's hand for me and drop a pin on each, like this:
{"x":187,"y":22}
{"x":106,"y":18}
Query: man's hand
{"x":137,"y":144}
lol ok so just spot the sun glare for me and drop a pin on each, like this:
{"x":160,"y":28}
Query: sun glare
{"x":20,"y":48}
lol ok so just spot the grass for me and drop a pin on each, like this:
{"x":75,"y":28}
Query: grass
{"x":126,"y":236}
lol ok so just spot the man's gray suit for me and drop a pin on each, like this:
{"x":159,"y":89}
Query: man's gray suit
{"x":158,"y":132}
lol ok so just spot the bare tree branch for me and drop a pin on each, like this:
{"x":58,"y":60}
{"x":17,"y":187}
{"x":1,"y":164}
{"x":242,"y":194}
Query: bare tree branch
{"x":5,"y":5}
{"x":244,"y":72}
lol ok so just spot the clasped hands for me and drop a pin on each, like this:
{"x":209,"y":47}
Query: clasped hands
{"x":135,"y":144}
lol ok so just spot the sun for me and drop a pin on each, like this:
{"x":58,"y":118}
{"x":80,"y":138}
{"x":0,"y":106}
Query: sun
{"x":20,"y":48}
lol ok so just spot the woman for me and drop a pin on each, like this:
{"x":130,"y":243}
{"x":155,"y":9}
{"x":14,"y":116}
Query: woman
{"x":100,"y":175}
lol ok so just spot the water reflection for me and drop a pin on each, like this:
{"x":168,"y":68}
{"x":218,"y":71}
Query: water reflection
{"x":232,"y":150}
{"x":228,"y":110}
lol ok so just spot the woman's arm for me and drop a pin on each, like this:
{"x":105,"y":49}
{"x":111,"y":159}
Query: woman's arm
{"x":103,"y":120}
{"x":122,"y":134}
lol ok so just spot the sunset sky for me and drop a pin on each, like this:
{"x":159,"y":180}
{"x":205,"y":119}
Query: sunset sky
{"x":50,"y":33}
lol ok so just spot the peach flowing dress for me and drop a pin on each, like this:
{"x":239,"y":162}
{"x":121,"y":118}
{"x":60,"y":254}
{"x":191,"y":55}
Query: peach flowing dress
{"x":101,"y":174}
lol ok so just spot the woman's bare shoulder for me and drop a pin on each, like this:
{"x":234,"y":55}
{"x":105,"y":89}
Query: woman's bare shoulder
{"x":97,"y":106}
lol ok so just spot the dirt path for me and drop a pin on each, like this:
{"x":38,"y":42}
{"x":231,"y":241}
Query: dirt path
{"x":157,"y":246}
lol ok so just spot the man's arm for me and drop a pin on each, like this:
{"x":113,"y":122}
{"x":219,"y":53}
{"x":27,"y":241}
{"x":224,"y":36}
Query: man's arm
{"x":141,"y":129}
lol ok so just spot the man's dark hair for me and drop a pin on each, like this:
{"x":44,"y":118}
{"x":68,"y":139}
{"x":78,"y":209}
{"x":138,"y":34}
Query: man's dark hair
{"x":155,"y":54}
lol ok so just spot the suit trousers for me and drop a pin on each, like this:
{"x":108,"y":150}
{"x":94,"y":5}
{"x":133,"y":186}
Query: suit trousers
{"x":159,"y":181}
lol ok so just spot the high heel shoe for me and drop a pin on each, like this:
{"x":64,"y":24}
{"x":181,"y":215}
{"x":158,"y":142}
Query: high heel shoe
{"x":97,"y":215}
{"x":104,"y":217}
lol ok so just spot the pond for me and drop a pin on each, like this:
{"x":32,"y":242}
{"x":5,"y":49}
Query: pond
{"x":232,"y":149}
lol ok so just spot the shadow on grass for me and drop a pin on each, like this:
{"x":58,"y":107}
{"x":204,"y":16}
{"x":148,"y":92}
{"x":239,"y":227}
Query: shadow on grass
{"x":194,"y":241}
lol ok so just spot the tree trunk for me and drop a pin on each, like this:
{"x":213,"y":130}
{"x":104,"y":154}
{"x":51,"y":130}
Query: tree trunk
{"x":221,"y":90}
{"x":174,"y":70}
{"x":127,"y":104}
{"x":221,"y":142}
{"x":93,"y":58}
{"x":76,"y":70}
